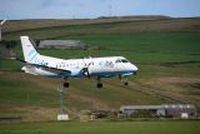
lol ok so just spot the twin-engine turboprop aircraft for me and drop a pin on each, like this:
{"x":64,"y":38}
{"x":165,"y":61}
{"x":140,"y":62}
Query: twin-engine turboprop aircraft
{"x":102,"y":67}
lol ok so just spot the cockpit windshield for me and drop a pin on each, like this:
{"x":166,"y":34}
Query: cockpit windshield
{"x":118,"y":61}
{"x":124,"y":60}
{"x":121,"y":61}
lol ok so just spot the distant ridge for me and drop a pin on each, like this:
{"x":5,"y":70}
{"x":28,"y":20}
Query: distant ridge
{"x":137,"y":17}
{"x":158,"y":20}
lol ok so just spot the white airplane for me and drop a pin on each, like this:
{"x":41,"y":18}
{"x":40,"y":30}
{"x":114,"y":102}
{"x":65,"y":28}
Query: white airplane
{"x":102,"y":67}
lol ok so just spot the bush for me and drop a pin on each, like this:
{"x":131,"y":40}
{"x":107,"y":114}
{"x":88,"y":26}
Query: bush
{"x":9,"y":44}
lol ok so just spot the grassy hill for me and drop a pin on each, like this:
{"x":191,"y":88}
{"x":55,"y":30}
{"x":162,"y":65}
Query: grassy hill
{"x":166,"y":52}
{"x":18,"y":25}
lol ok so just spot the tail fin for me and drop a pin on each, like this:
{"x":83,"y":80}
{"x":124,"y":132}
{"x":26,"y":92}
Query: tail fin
{"x":28,"y":50}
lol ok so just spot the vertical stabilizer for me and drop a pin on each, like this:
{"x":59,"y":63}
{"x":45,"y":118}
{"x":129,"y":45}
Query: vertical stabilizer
{"x":28,"y":50}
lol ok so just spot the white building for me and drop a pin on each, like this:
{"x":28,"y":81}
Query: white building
{"x":62,"y":44}
{"x":165,"y":110}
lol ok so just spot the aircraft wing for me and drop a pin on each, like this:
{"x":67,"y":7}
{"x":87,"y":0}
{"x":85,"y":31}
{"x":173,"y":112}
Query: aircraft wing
{"x":51,"y":69}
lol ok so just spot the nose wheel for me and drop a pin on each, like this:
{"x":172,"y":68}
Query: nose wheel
{"x":123,"y":80}
{"x":126,"y":83}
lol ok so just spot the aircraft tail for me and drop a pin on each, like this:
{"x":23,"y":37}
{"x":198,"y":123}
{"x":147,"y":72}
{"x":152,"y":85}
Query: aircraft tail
{"x":30,"y":54}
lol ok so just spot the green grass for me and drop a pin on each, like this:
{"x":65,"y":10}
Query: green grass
{"x":157,"y":46}
{"x":145,"y":42}
{"x":178,"y":49}
{"x":156,"y":55}
{"x":7,"y":64}
{"x":159,"y":54}
{"x":22,"y":92}
{"x":102,"y":28}
{"x":137,"y":127}
{"x":140,"y":48}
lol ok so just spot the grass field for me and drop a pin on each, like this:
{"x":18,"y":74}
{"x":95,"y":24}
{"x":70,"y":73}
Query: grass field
{"x":167,"y":53}
{"x":137,"y":127}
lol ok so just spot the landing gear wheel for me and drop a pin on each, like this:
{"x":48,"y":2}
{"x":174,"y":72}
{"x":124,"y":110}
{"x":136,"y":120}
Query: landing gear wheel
{"x":99,"y":85}
{"x":124,"y":80}
{"x":126,"y":83}
{"x":65,"y":84}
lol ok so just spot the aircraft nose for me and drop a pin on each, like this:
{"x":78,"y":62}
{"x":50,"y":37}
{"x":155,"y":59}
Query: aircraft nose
{"x":134,"y":68}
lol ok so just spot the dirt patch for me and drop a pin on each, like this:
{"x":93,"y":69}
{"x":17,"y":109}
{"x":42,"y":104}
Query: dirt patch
{"x":94,"y":102}
{"x":195,"y":85}
{"x":29,"y":113}
{"x":173,"y":64}
{"x":37,"y":113}
{"x":179,"y":81}
{"x":31,"y":79}
{"x":180,"y":89}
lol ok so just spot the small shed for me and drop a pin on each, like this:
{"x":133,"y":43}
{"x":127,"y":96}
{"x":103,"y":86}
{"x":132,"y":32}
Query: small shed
{"x":62,"y":44}
{"x":180,"y":110}
{"x":165,"y":110}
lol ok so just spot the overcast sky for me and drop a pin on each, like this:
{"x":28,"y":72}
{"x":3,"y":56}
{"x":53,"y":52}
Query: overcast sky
{"x":26,"y":9}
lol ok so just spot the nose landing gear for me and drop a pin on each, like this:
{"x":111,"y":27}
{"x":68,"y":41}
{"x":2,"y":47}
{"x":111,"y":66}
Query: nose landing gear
{"x":126,"y":83}
{"x":123,"y":80}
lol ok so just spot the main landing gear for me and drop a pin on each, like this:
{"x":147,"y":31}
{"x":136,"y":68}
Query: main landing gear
{"x":124,"y":80}
{"x":66,"y":83}
{"x":99,"y":83}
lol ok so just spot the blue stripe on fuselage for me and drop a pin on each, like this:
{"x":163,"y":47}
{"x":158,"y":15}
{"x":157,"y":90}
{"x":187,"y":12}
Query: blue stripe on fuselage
{"x":99,"y":74}
{"x":110,"y":74}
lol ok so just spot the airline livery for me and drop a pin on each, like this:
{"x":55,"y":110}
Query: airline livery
{"x":101,"y":67}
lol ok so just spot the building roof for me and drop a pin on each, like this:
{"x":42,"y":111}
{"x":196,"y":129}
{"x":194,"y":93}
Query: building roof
{"x":61,"y":44}
{"x":153,"y":107}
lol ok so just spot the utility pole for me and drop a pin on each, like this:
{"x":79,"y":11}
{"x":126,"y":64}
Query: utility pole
{"x":1,"y":26}
{"x":61,"y":98}
{"x":62,"y":116}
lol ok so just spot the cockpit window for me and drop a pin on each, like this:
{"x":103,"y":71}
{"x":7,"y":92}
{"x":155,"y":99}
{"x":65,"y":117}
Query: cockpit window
{"x":124,"y":61}
{"x":121,"y":61}
{"x":118,"y":61}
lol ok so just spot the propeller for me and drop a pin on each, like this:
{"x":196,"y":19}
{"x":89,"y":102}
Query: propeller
{"x":85,"y":71}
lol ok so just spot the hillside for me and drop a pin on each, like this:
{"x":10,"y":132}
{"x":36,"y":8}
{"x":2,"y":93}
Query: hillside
{"x":166,"y":52}
{"x":41,"y":29}
{"x":17,"y":25}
